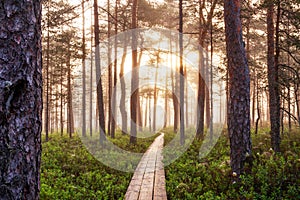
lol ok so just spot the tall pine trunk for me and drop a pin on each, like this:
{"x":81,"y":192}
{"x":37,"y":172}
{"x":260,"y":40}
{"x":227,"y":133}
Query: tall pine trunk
{"x":46,"y":121}
{"x":20,"y":99}
{"x":91,"y":78}
{"x":135,"y":77}
{"x":70,"y":98}
{"x":98,"y":75}
{"x":239,"y":89}
{"x":181,"y":104}
{"x":110,"y":65}
{"x":83,"y":75}
{"x":114,"y":114}
{"x":123,"y":88}
{"x":274,"y":100}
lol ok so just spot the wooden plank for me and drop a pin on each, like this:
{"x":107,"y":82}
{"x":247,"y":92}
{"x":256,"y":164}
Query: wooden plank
{"x":159,"y":185}
{"x":148,"y":181}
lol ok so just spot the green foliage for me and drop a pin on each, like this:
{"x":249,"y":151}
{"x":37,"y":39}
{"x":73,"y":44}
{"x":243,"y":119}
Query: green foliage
{"x":270,"y":176}
{"x":69,"y":171}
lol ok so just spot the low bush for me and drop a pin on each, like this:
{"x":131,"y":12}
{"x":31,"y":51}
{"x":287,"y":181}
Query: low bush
{"x":69,"y":171}
{"x":271,"y":176}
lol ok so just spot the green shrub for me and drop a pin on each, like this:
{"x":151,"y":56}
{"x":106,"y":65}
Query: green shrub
{"x":69,"y":171}
{"x":271,"y":176}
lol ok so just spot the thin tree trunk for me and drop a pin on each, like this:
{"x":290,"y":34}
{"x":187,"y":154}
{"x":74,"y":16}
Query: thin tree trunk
{"x":146,"y":111}
{"x":289,"y":86}
{"x":61,"y":101}
{"x":174,"y":92}
{"x":139,"y":110}
{"x":123,"y":89}
{"x":70,"y":107}
{"x":155,"y":94}
{"x":109,"y":70}
{"x":253,"y":97}
{"x":200,"y":100}
{"x":56,"y":107}
{"x":207,"y":92}
{"x":186,"y":99}
{"x":274,"y":100}
{"x":282,"y":112}
{"x":98,"y":76}
{"x":211,"y":82}
{"x":182,"y":127}
{"x":20,"y":99}
{"x":257,"y":107}
{"x":114,"y":114}
{"x":166,"y":101}
{"x":91,"y":77}
{"x":83,"y":75}
{"x":227,"y":96}
{"x":135,"y":77}
{"x":47,"y":76}
{"x":50,"y":117}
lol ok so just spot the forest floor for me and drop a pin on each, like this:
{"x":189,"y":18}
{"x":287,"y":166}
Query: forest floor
{"x":69,"y":171}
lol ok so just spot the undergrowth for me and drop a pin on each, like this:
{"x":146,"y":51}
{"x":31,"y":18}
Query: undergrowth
{"x":69,"y":171}
{"x":270,"y":177}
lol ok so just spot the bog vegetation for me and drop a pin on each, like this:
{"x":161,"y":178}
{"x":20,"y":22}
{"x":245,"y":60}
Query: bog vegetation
{"x":69,"y":171}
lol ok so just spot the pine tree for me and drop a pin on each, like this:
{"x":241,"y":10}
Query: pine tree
{"x":239,"y":89}
{"x":20,"y":99}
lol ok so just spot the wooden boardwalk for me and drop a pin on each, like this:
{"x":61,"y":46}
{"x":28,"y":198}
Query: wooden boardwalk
{"x":148,"y":181}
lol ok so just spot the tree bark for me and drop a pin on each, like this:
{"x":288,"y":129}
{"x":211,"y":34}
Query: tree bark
{"x":155,"y":93}
{"x":274,"y":100}
{"x":200,"y":99}
{"x":114,"y":114}
{"x":257,"y":107}
{"x":239,"y":89}
{"x":186,"y":99}
{"x":46,"y":121}
{"x":70,"y":99}
{"x":139,"y":110}
{"x":166,"y":101}
{"x":134,"y":78}
{"x":20,"y":99}
{"x":175,"y":92}
{"x":91,"y":78}
{"x":123,"y":89}
{"x":61,"y":101}
{"x":98,"y":75}
{"x":83,"y":75}
{"x":110,"y":65}
{"x":181,"y":104}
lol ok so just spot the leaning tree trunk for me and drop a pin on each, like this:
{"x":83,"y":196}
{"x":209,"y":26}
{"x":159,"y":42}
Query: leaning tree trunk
{"x":239,"y":89}
{"x":20,"y":99}
{"x":274,"y":100}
